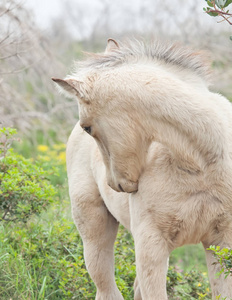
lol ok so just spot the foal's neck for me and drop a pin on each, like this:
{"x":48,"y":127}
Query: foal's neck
{"x":185,"y":119}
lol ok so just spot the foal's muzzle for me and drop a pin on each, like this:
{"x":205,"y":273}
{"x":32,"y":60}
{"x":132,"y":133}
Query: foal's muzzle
{"x":125,"y":186}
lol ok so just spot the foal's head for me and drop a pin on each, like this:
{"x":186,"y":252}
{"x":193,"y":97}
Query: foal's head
{"x":106,"y":113}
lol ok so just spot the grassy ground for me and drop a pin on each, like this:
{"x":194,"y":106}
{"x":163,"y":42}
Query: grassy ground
{"x":44,"y":260}
{"x":188,"y":257}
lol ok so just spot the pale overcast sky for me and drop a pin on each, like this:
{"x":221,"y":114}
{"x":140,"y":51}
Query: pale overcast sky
{"x":46,"y":10}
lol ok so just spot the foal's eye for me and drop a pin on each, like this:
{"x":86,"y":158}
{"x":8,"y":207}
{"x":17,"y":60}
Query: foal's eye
{"x":87,"y":129}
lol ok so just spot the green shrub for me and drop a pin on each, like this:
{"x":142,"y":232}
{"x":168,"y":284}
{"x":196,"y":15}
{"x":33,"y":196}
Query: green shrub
{"x":43,"y":261}
{"x":54,"y":156}
{"x":25,"y":188}
{"x":187,"y":285}
{"x":125,"y":269}
{"x":224,"y":258}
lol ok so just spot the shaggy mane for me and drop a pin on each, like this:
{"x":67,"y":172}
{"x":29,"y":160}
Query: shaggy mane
{"x":135,"y":51}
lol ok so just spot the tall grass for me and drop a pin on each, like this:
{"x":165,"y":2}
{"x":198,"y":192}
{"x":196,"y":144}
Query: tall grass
{"x":44,"y":260}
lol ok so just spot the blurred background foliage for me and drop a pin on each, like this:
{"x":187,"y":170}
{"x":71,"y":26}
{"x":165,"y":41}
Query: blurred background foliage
{"x":41,"y":252}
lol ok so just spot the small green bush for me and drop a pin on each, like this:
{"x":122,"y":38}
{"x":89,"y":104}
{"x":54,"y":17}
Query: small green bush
{"x":25,"y":188}
{"x":43,"y":261}
{"x":187,"y":285}
{"x":224,"y":258}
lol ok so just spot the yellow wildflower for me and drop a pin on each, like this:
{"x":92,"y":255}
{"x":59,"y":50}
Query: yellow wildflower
{"x":62,"y":157}
{"x":199,"y":284}
{"x":42,"y":148}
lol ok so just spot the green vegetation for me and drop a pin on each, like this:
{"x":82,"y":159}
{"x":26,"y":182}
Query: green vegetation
{"x":25,"y":189}
{"x":189,"y":257}
{"x":224,"y":259}
{"x":219,"y":8}
{"x":187,"y":285}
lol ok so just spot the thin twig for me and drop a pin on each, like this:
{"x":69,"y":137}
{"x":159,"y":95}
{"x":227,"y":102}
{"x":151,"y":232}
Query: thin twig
{"x":220,"y":12}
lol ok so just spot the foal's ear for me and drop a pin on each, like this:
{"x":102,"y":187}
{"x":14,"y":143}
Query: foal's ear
{"x":111,"y":45}
{"x":71,"y":86}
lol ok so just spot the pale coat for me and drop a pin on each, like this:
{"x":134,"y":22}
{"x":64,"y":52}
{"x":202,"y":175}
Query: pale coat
{"x":158,"y":133}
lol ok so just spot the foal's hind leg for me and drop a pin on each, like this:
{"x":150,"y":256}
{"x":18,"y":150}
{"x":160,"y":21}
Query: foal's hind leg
{"x":219,"y":286}
{"x":98,"y":229}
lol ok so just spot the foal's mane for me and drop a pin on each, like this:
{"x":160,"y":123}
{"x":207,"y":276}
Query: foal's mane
{"x":132,"y":51}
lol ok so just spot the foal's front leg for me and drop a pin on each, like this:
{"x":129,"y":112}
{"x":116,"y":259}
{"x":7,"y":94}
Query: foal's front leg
{"x":151,"y":265}
{"x":151,"y":252}
{"x":98,"y":229}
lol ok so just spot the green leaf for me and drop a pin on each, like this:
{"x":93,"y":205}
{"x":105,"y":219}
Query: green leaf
{"x":228,"y":2}
{"x":209,"y":2}
{"x":208,"y":11}
{"x":212,"y":14}
{"x":220,"y":3}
